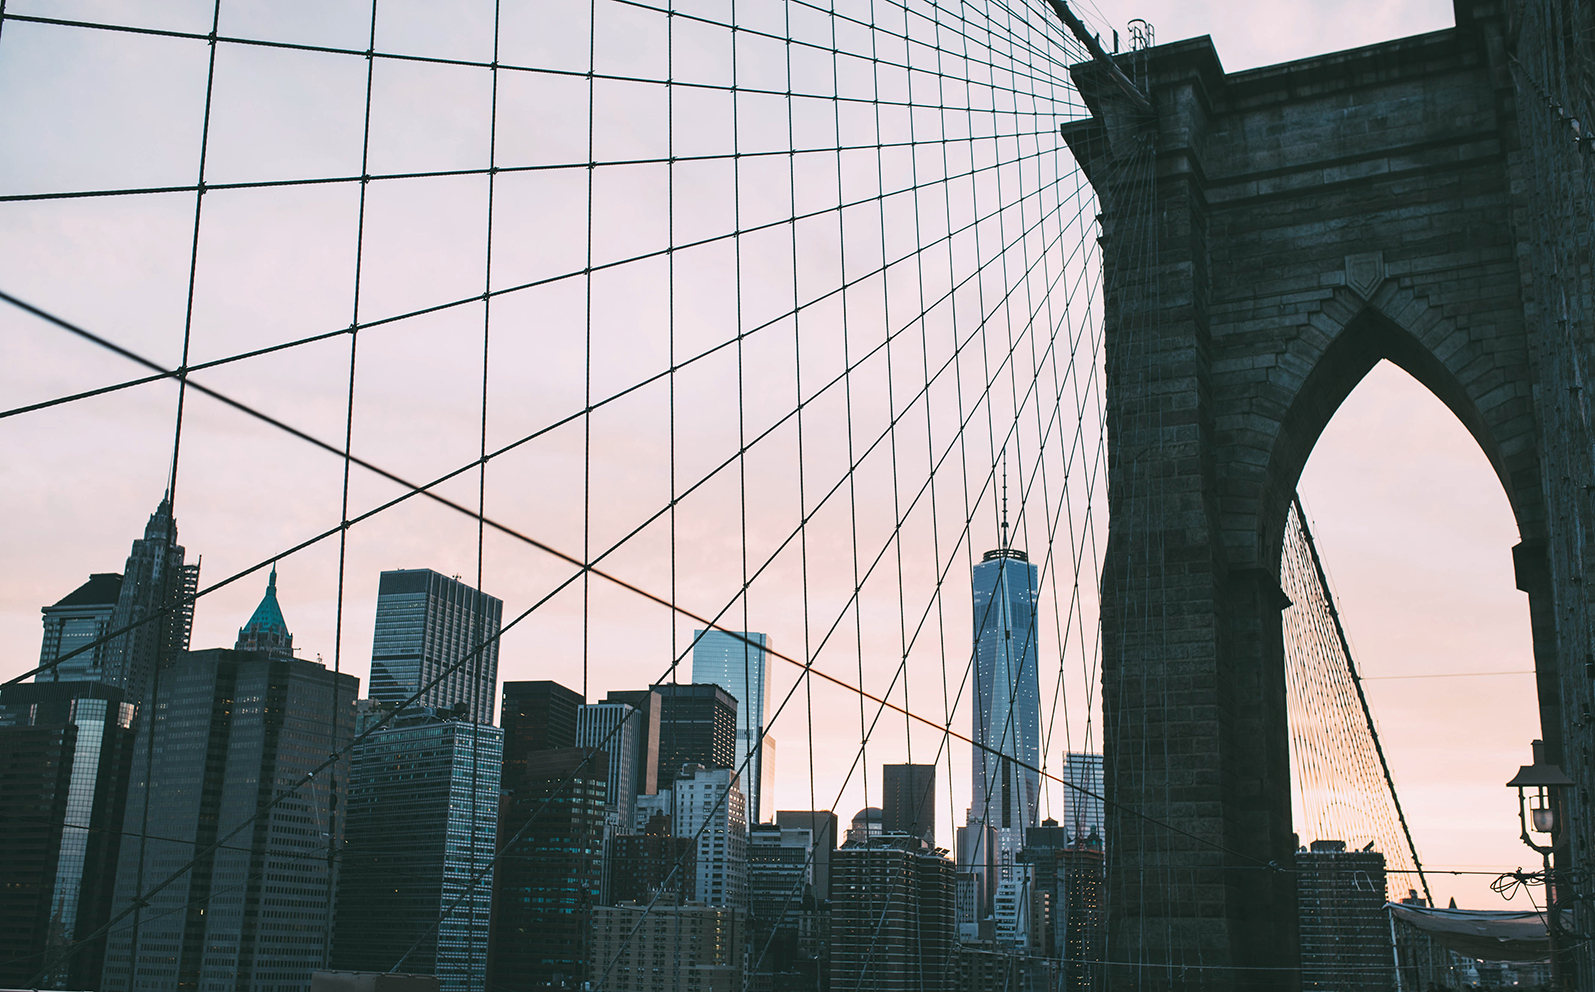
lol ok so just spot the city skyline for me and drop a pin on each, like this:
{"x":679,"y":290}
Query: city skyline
{"x":269,"y":609}
{"x":85,"y":543}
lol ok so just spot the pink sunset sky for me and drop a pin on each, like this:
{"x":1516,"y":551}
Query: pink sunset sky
{"x":1414,"y":529}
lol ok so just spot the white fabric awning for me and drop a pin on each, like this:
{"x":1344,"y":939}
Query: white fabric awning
{"x":1486,"y":934}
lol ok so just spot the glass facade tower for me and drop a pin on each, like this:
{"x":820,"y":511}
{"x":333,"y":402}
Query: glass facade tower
{"x":423,"y":814}
{"x":697,"y":725}
{"x":1007,"y":754}
{"x":66,"y":748}
{"x":429,"y":625}
{"x":743,"y":670}
{"x":908,"y":800}
{"x":550,"y":874}
{"x":1082,"y":810}
{"x":536,"y":716}
{"x":78,"y":620}
{"x":1007,"y":715}
{"x":614,"y":728}
{"x":232,"y":729}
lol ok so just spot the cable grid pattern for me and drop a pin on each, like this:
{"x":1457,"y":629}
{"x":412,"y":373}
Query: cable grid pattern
{"x":649,"y":317}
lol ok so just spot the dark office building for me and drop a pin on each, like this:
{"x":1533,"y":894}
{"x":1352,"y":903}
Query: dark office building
{"x":65,"y":749}
{"x":908,"y":802}
{"x":652,"y":864}
{"x":433,"y":628}
{"x":784,"y":917}
{"x":536,"y":716}
{"x":1045,"y":850}
{"x":1345,"y":934}
{"x":985,"y":966}
{"x":233,"y":728}
{"x":892,"y":926}
{"x":780,"y":875}
{"x":1068,"y":877}
{"x":158,"y":587}
{"x":549,"y":875}
{"x":423,"y":816}
{"x":648,"y":705}
{"x":77,"y":620}
{"x":697,"y":725}
{"x":821,"y":824}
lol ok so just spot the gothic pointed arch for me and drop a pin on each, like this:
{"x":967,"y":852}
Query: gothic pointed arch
{"x":1484,"y":383}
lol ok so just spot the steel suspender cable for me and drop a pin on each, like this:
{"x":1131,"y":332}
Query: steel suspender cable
{"x":1362,"y":698}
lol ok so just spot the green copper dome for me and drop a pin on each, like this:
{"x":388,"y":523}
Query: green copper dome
{"x":266,"y":630}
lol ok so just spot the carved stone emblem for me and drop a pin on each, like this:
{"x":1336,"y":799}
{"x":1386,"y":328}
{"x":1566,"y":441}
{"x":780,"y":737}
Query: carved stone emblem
{"x":1365,"y":272}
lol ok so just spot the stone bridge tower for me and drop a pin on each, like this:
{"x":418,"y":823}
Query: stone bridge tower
{"x":1269,"y":236}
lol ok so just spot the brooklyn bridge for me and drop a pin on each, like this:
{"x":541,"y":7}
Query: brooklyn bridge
{"x":702,"y":419}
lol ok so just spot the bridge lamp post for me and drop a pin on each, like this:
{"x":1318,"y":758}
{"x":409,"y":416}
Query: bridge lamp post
{"x":1539,"y":811}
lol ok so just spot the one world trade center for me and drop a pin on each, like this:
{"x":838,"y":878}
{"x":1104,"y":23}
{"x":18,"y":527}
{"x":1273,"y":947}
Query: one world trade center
{"x":1007,"y":733}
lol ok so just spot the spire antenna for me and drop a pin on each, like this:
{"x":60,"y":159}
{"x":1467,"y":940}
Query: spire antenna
{"x":1005,"y":499}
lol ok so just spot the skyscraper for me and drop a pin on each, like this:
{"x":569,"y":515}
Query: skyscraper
{"x":431,"y":626}
{"x":78,"y":619}
{"x":65,"y":752}
{"x":1068,"y":879}
{"x":1340,"y":900}
{"x":743,"y":669}
{"x":977,"y":878}
{"x":423,"y":815}
{"x":550,"y":871}
{"x":780,"y":875}
{"x":1084,"y":911}
{"x":234,"y":728}
{"x":783,"y":913}
{"x":697,"y":725}
{"x":710,"y":808}
{"x":536,"y":716}
{"x":158,"y":588}
{"x":891,"y":916}
{"x":821,"y":824}
{"x":649,"y":708}
{"x":1007,"y":714}
{"x":908,"y":801}
{"x":614,"y":728}
{"x":1082,"y":805}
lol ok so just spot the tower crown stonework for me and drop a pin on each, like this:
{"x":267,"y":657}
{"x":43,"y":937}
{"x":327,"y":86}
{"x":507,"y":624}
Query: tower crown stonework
{"x":154,"y":608}
{"x":1269,"y":236}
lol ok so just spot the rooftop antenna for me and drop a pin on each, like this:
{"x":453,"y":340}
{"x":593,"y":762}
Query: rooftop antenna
{"x":1005,"y":499}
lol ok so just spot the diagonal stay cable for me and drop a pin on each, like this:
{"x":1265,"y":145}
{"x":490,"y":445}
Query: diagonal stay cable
{"x":568,"y":558}
{"x":373,"y":53}
{"x":496,"y":170}
{"x":667,"y":252}
{"x":413,"y":491}
{"x":864,"y":738}
{"x":708,"y":623}
{"x":396,"y":479}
